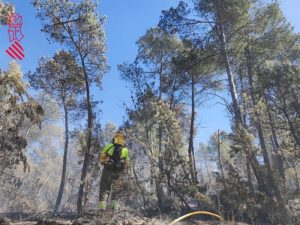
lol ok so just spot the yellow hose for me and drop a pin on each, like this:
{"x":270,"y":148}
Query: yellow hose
{"x":196,"y":213}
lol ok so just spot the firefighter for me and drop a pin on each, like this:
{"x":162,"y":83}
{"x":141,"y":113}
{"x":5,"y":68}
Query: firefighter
{"x":114,"y":158}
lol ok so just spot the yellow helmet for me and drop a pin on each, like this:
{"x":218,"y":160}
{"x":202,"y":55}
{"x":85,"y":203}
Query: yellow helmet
{"x":119,"y":139}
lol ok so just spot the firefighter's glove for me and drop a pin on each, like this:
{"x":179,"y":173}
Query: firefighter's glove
{"x":104,"y":159}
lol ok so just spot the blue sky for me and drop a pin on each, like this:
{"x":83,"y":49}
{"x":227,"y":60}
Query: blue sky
{"x":127,"y":20}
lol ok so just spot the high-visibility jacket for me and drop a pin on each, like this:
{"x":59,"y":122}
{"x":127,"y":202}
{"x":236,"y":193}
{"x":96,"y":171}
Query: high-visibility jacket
{"x":109,"y":149}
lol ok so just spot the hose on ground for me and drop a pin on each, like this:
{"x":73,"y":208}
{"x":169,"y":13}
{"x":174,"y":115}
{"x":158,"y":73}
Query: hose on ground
{"x":196,"y":213}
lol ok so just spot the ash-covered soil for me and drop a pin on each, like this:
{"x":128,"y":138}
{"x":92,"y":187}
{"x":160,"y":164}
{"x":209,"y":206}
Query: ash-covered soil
{"x":120,"y":218}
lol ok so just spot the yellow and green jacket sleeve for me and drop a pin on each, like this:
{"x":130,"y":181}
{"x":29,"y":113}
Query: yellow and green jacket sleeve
{"x":107,"y":148}
{"x":125,"y":154}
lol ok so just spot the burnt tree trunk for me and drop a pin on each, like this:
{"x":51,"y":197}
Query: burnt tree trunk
{"x":276,"y":146}
{"x":64,"y":168}
{"x":270,"y":173}
{"x":191,"y":137}
{"x":88,"y":139}
{"x":236,"y":109}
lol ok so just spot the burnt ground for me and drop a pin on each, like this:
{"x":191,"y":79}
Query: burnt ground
{"x":120,"y":218}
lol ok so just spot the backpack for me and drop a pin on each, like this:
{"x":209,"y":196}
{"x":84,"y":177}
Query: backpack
{"x":116,"y":158}
{"x":117,"y":153}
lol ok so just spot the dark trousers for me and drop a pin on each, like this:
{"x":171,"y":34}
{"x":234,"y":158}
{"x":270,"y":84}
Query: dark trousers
{"x":109,"y":184}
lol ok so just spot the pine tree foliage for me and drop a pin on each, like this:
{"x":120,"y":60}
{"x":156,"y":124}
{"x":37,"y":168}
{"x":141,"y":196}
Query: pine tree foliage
{"x":17,"y":107}
{"x":253,"y":42}
{"x":167,"y":165}
{"x":78,"y":26}
{"x":5,"y":10}
{"x":200,"y":49}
